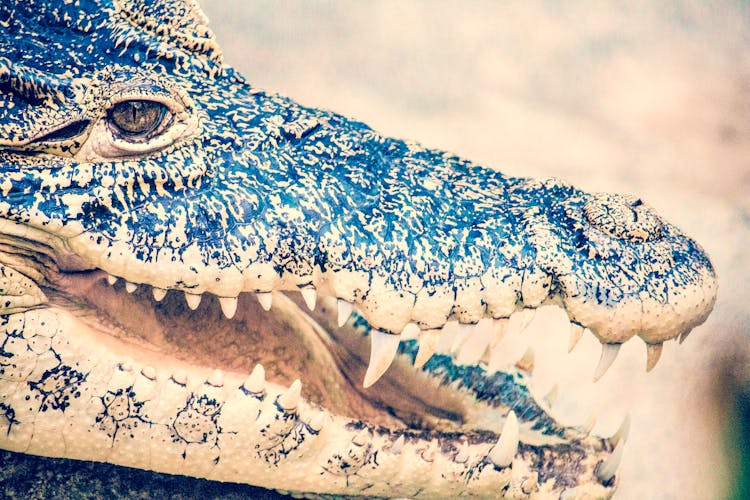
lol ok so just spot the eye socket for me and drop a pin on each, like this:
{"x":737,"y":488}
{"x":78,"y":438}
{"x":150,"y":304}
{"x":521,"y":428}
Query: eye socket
{"x":138,"y":120}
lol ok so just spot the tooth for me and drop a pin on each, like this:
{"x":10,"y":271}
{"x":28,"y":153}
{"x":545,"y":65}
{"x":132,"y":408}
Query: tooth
{"x":256,"y":382}
{"x":448,"y":335}
{"x":228,"y":306}
{"x":130,"y":287}
{"x":398,"y":444}
{"x":499,"y":326}
{"x":345,"y":310}
{"x":526,"y":362}
{"x":216,"y":378}
{"x":428,"y":341}
{"x":551,"y":396}
{"x":317,"y":421}
{"x":576,"y":332}
{"x":465,"y":332}
{"x":111,"y":279}
{"x":606,"y":471}
{"x":362,"y":437}
{"x":310,"y":296}
{"x":473,"y":348}
{"x":383,"y":349}
{"x":684,"y":336}
{"x":503,"y":452}
{"x":289,"y":400}
{"x":525,"y":316}
{"x":609,"y":354}
{"x":653,"y":353}
{"x":159,"y":293}
{"x":588,"y":425}
{"x":265,"y":299}
{"x":193,"y":300}
{"x":410,"y":332}
{"x":622,"y":431}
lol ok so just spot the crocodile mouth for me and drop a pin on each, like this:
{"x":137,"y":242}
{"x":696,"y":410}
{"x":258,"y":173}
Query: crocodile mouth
{"x":289,"y":341}
{"x":457,"y":395}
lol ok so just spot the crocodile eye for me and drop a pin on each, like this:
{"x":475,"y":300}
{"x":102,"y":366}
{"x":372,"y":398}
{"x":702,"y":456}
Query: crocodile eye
{"x":138,"y":120}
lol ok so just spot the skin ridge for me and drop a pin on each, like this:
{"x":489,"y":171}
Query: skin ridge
{"x":234,"y":190}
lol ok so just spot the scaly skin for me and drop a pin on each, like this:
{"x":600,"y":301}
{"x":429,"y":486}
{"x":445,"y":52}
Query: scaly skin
{"x":236,"y":190}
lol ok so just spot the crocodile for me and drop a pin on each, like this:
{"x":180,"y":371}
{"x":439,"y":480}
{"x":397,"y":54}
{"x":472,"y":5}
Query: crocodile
{"x":199,"y":277}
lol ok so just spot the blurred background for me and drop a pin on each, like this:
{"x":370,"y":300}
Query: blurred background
{"x":651,"y":98}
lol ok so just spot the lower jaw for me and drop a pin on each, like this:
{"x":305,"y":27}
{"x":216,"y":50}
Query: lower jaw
{"x":125,"y":402}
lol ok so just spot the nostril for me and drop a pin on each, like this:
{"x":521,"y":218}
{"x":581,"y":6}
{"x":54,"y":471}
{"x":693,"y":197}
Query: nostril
{"x":623,"y":217}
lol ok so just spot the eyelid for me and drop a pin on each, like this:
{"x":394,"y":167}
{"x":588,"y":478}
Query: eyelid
{"x":103,"y":142}
{"x":173,"y":105}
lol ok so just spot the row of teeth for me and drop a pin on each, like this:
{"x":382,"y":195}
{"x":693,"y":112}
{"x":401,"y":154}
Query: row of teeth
{"x":500,"y":454}
{"x":384,"y":346}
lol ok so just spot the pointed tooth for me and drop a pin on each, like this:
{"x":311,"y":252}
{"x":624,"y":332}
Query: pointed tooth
{"x":607,"y":469}
{"x":410,"y":332}
{"x":362,"y":437}
{"x":256,"y":381}
{"x":310,"y":296}
{"x":345,"y":310}
{"x":111,"y":279}
{"x":653,"y":353}
{"x":684,"y":336}
{"x":448,"y":335}
{"x":317,"y":421}
{"x":383,"y":348}
{"x":428,"y":341}
{"x":622,"y":432}
{"x":498,"y":327}
{"x":503,"y":452}
{"x":130,"y":287}
{"x":465,"y":332}
{"x":526,"y":362}
{"x":609,"y":354}
{"x":265,"y":299}
{"x":525,"y":316}
{"x":228,"y":306}
{"x":576,"y":332}
{"x":551,"y":396}
{"x":193,"y":300}
{"x":158,"y":293}
{"x":588,"y":425}
{"x":398,"y":444}
{"x":473,"y":348}
{"x":289,"y":400}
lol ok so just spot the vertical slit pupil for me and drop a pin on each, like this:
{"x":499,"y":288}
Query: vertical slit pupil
{"x":137,"y":117}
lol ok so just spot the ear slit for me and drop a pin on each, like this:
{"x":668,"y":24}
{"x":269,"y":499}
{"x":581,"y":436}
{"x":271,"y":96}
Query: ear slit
{"x":69,"y":131}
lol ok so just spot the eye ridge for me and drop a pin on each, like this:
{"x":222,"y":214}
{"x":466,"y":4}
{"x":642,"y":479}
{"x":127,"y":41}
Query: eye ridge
{"x":137,"y":119}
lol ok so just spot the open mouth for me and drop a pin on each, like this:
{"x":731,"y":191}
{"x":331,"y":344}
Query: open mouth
{"x":441,"y":396}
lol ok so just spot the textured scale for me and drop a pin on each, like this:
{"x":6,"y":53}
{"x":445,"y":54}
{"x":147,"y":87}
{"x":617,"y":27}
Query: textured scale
{"x":239,"y":190}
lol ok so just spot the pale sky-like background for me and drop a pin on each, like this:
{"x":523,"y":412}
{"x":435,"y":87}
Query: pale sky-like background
{"x":651,"y":98}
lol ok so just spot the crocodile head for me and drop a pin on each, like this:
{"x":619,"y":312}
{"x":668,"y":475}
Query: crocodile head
{"x":150,"y":195}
